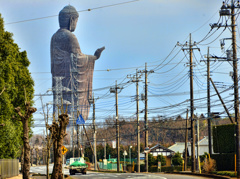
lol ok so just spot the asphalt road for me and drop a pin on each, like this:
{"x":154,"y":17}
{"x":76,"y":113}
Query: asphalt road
{"x":93,"y":175}
{"x":43,"y":169}
{"x":100,"y":175}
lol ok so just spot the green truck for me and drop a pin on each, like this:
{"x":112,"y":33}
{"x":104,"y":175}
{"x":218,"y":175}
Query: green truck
{"x":78,"y":166}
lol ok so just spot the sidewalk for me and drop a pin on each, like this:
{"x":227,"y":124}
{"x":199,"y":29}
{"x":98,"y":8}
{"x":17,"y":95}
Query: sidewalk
{"x":20,"y":177}
{"x":17,"y":177}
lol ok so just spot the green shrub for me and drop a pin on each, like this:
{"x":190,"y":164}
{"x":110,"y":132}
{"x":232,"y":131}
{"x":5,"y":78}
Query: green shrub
{"x":177,"y":159}
{"x":227,"y":173}
{"x":153,"y":168}
{"x":224,"y":162}
{"x":223,"y":138}
{"x":171,"y":169}
{"x":161,"y":158}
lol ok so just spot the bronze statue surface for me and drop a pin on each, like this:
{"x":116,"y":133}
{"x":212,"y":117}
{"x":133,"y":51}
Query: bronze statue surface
{"x":72,"y":71}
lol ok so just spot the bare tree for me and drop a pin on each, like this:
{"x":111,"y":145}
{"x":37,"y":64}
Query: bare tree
{"x":37,"y":155}
{"x":25,"y":119}
{"x":58,"y":131}
{"x":48,"y":137}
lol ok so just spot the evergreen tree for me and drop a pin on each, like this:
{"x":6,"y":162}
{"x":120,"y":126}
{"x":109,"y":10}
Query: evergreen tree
{"x":14,"y":76}
{"x":177,"y":159}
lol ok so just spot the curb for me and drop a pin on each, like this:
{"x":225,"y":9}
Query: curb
{"x":203,"y":175}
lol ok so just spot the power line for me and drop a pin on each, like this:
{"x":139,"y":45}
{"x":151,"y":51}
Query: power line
{"x":101,"y":7}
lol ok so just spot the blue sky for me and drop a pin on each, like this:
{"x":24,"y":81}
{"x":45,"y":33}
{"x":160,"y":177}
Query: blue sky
{"x":133,"y":33}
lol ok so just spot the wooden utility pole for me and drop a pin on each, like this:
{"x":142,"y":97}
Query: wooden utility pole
{"x":236,"y":96}
{"x":115,"y":90}
{"x":90,"y":144}
{"x":192,"y":107}
{"x":146,"y":117}
{"x":92,"y":101}
{"x":138,"y":125}
{"x":94,"y":137}
{"x":186,"y":141}
{"x":209,"y":106}
{"x":146,"y":112}
{"x":193,"y":137}
{"x":135,"y":79}
{"x":117,"y":130}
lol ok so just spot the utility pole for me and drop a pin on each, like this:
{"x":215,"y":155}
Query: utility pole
{"x":236,"y":96}
{"x":115,"y":90}
{"x":105,"y":148}
{"x":138,"y":125}
{"x":146,"y":112}
{"x":235,"y":74}
{"x":136,"y":80}
{"x":198,"y":162}
{"x":193,"y":137}
{"x":92,"y":101}
{"x":226,"y":12}
{"x":72,"y":108}
{"x":94,"y":137}
{"x":192,"y":108}
{"x":186,"y":141}
{"x":219,"y":96}
{"x":146,"y":117}
{"x":209,"y":106}
{"x":78,"y":140}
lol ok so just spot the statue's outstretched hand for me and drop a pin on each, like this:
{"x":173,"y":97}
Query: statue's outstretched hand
{"x":98,"y":52}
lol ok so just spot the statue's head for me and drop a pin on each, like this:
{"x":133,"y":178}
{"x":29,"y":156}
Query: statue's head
{"x":68,"y":17}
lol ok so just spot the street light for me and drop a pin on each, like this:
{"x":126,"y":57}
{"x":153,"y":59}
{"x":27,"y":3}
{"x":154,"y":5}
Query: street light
{"x":130,"y":154}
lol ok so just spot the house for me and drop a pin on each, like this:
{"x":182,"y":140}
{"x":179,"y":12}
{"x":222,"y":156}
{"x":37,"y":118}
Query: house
{"x":160,"y":150}
{"x":203,"y":146}
{"x":180,"y":147}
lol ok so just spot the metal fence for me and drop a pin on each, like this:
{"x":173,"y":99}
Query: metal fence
{"x":109,"y":166}
{"x":9,"y":168}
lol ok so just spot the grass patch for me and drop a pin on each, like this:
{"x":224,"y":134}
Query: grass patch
{"x":226,"y":173}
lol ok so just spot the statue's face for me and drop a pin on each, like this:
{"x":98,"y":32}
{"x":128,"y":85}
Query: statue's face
{"x":73,"y":23}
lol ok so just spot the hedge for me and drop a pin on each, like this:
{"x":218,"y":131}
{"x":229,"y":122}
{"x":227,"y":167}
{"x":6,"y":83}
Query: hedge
{"x":223,"y":139}
{"x":224,"y":161}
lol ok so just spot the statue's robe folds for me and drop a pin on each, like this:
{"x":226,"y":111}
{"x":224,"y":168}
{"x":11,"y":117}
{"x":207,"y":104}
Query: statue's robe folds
{"x":69,"y":62}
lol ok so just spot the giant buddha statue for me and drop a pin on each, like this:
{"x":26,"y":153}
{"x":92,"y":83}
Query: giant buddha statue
{"x":72,"y":71}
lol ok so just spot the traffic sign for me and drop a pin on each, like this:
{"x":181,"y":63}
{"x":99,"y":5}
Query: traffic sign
{"x":64,"y":150}
{"x":146,"y":150}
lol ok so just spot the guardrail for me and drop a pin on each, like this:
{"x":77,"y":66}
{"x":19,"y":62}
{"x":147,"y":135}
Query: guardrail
{"x":9,"y":168}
